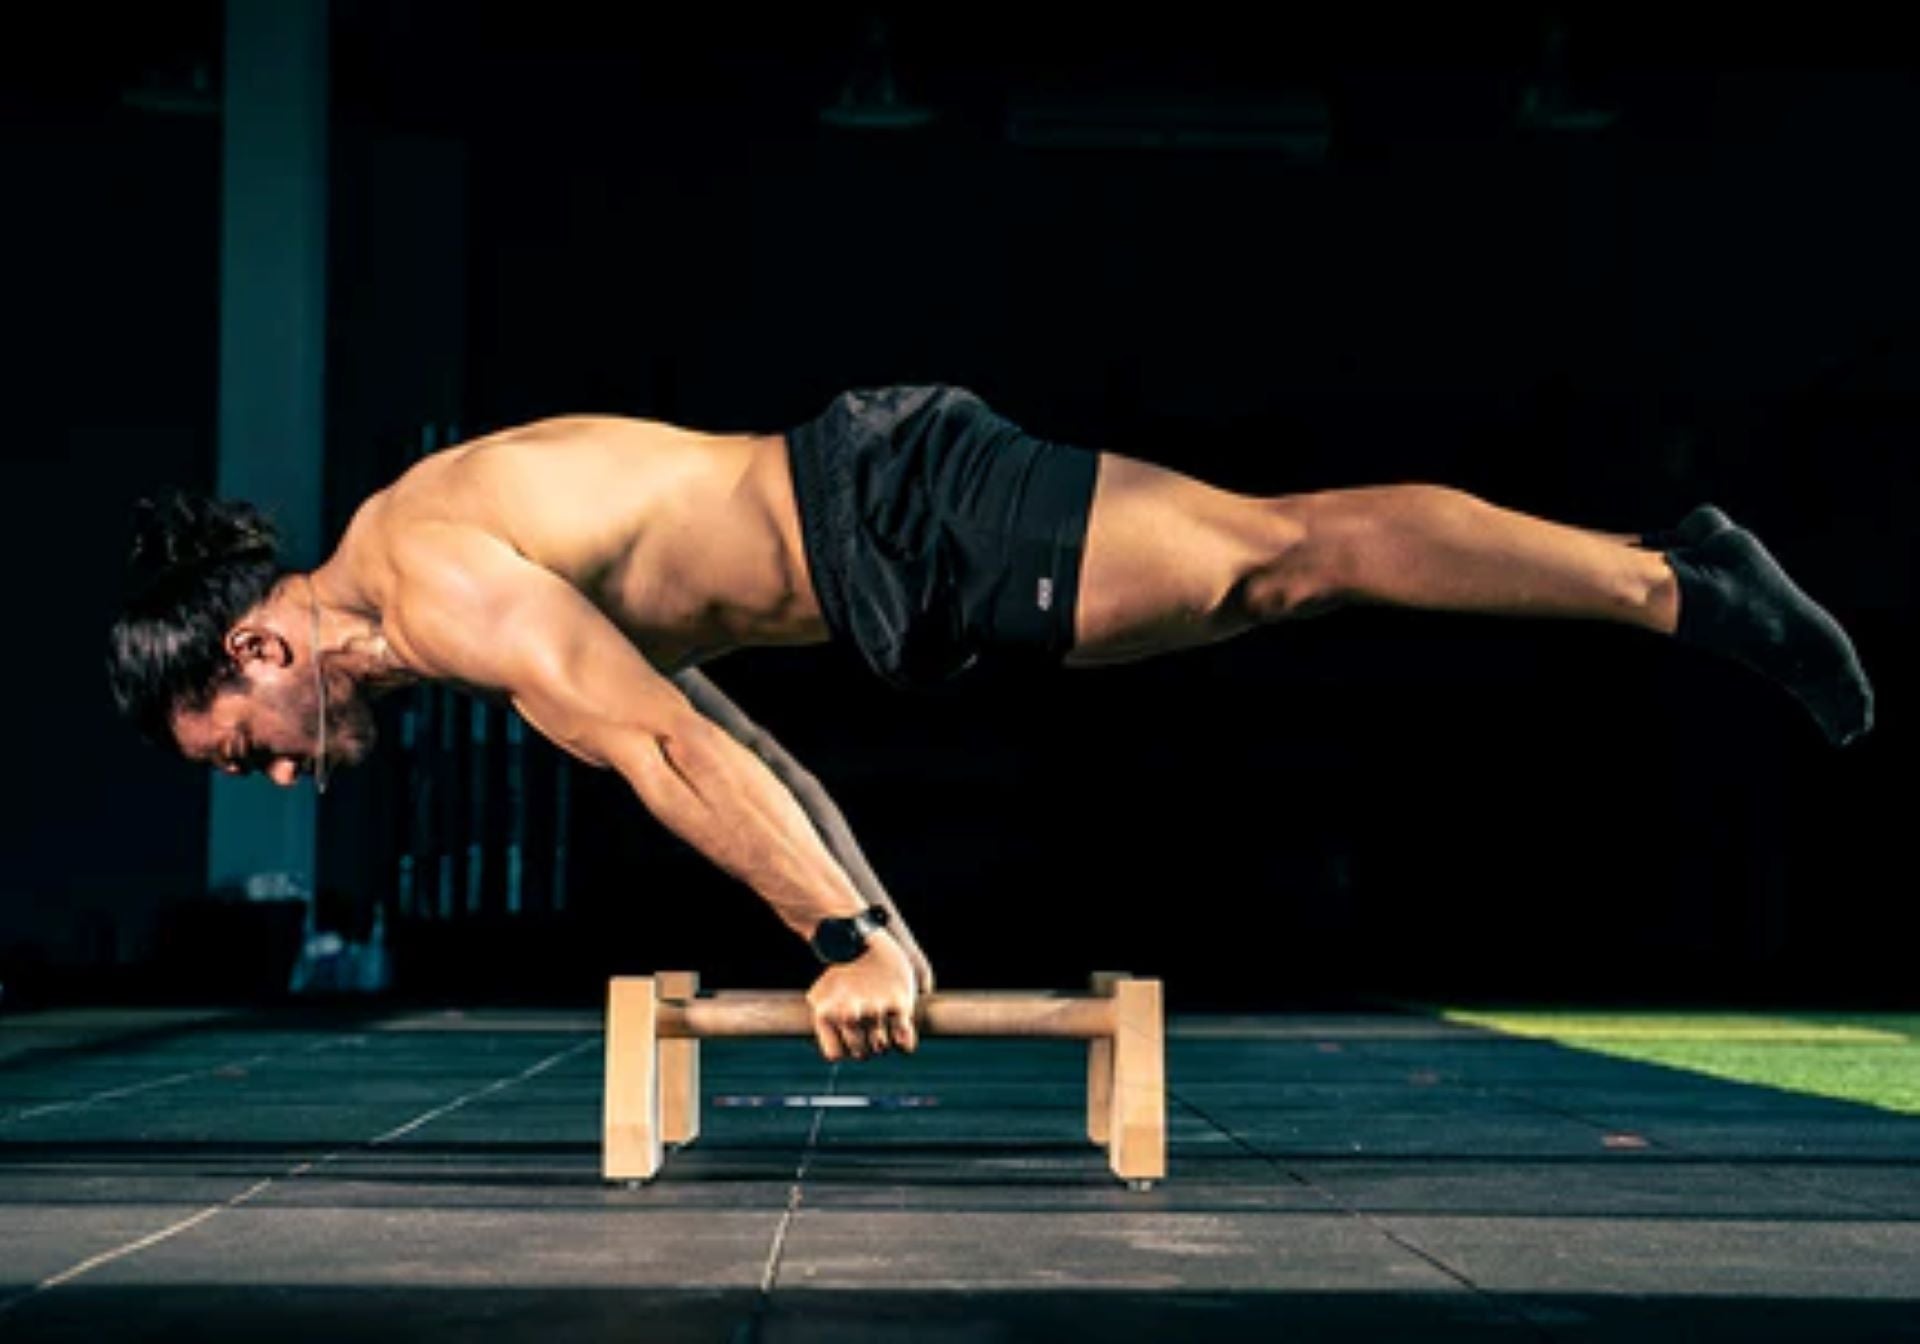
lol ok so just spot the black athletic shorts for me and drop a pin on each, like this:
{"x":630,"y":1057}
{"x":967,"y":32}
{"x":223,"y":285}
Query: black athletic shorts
{"x":942,"y":538}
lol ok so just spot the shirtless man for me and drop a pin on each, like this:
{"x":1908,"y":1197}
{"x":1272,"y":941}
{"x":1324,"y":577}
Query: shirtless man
{"x":582,"y":568}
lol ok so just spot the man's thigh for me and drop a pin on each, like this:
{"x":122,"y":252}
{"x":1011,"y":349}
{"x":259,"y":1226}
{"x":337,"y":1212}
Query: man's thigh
{"x":1166,"y":554}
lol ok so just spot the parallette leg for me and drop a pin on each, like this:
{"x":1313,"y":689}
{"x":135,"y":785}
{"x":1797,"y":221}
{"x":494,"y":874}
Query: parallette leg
{"x":679,"y":1068}
{"x":630,"y":1149}
{"x":1100,"y":1065}
{"x":1137,"y":1146}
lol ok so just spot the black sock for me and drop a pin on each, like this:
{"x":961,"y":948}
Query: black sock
{"x":1695,"y":528}
{"x":1736,"y":601}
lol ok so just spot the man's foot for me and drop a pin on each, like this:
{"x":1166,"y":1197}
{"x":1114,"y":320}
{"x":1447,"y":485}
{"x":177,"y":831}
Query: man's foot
{"x":1703,"y":523}
{"x":1736,"y":601}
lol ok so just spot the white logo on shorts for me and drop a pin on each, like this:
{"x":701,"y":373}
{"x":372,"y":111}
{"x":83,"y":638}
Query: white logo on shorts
{"x":1045,"y":595}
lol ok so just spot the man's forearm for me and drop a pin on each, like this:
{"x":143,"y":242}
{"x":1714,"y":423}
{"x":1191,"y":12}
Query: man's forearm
{"x":834,"y":831}
{"x":838,"y":837}
{"x":812,"y":796}
{"x":813,"y":799}
{"x":728,"y":804}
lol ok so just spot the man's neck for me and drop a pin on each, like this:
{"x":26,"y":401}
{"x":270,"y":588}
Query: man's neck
{"x":351,"y":641}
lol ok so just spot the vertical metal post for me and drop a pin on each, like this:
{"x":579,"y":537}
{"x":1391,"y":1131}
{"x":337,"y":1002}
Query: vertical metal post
{"x":419,"y":876}
{"x":476,"y":803}
{"x":272,"y":360}
{"x":410,"y":781}
{"x":562,"y":805}
{"x":516,"y":807}
{"x":448,"y":812}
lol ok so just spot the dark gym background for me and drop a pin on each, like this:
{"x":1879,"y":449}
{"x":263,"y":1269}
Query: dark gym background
{"x":1591,"y":263}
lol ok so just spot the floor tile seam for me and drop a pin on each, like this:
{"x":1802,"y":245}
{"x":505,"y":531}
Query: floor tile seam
{"x":167,"y":1233}
{"x":1682,"y":1150}
{"x":84,"y":1046}
{"x":498,"y":1085}
{"x":749,"y":1326}
{"x":1679,"y":1150}
{"x":1498,"y":1301}
{"x":170,"y":1080}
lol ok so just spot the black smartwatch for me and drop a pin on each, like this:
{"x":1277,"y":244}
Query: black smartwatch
{"x":844,"y":937}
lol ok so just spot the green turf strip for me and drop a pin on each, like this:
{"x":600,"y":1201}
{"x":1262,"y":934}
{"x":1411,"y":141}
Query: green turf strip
{"x":1873,"y":1059}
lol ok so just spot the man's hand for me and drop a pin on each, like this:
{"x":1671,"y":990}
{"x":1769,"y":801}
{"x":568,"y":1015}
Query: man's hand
{"x":865,"y":1007}
{"x":922,"y":968}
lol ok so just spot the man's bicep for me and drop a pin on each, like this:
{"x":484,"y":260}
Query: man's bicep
{"x":475,"y":611}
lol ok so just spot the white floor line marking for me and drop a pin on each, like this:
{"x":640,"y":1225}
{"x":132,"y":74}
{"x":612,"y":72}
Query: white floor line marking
{"x":112,"y":1094}
{"x":194,"y":1220}
{"x":475,"y":1095}
{"x":151,"y":1239}
{"x":772,"y":1268}
{"x":171,"y":1080}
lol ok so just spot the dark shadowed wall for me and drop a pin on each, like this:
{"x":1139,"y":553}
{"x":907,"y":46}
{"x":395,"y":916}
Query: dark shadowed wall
{"x":1688,"y":275}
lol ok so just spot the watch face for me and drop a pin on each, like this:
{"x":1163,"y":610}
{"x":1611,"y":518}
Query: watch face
{"x":838,"y":940}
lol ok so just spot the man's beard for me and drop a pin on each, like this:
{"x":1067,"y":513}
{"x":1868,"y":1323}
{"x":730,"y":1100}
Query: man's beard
{"x":350,"y":728}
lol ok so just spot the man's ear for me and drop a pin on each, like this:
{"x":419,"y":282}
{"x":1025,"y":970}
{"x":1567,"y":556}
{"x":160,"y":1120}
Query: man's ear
{"x":257,"y":643}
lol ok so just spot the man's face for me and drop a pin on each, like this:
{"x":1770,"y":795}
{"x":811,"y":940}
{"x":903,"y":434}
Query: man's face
{"x":270,"y":723}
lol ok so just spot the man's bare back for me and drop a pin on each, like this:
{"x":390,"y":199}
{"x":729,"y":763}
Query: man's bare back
{"x":689,"y":543}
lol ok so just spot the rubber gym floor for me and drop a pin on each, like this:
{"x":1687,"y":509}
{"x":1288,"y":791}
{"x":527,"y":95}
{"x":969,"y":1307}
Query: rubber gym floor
{"x":171,"y":1174}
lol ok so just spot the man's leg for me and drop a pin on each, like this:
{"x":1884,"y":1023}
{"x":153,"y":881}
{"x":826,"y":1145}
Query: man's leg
{"x":1172,"y":562}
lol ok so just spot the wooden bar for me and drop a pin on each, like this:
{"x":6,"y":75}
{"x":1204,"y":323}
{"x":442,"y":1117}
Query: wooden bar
{"x":1057,"y":1016}
{"x":654,"y":1026}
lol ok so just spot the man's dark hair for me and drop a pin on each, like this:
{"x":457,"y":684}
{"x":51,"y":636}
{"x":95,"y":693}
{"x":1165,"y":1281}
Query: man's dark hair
{"x":195,"y":567}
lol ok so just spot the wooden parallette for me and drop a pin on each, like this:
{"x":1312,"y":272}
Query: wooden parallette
{"x":655,"y":1025}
